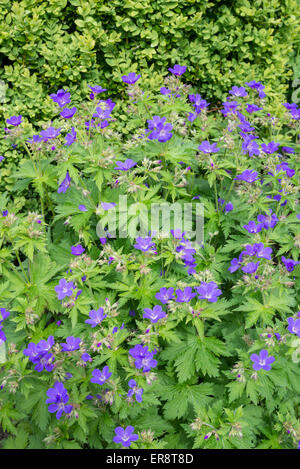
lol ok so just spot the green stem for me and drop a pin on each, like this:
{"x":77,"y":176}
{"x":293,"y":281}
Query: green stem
{"x":29,"y":154}
{"x":230,"y":189}
{"x":21,"y":265}
{"x":50,"y":204}
{"x":200,"y":327}
{"x":216,"y":196}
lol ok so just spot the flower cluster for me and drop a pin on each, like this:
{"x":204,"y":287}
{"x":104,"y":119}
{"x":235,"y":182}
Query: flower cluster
{"x":257,"y":250}
{"x":64,"y":289}
{"x":186,"y":251}
{"x":143,"y":358}
{"x":159,"y":129}
{"x":58,"y":399}
{"x":39,"y":354}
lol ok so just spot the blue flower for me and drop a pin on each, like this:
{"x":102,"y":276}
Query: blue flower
{"x":262,"y":252}
{"x":100,"y":377}
{"x":289,"y":263}
{"x":230,"y":107}
{"x":238,"y":91}
{"x":209,"y":291}
{"x":207,"y":148}
{"x":154,"y":314}
{"x":73,"y":343}
{"x":294,"y":326}
{"x":45,"y":345}
{"x":125,"y":437}
{"x":162,"y":133}
{"x":160,"y":129}
{"x":165,"y":91}
{"x":248,"y":176}
{"x":268,"y":221}
{"x":68,"y":113}
{"x":253,"y":108}
{"x":165,"y":294}
{"x":270,"y":148}
{"x":50,"y":133}
{"x":107,"y":205}
{"x":185,"y":296}
{"x":144,"y":244}
{"x":250,"y":268}
{"x":135,"y":390}
{"x":71,"y":137}
{"x":178,"y":70}
{"x":125,"y":166}
{"x":249,"y":145}
{"x":96,"y":89}
{"x":143,"y":358}
{"x":39,"y":354}
{"x":14,"y":120}
{"x":252,"y":227}
{"x":62,"y":97}
{"x":64,"y":289}
{"x":258,"y":86}
{"x":65,"y":184}
{"x":2,"y":336}
{"x":3,"y":314}
{"x":131,"y":78}
{"x":77,"y":250}
{"x":85,"y":357}
{"x":288,"y":150}
{"x":295,"y":114}
{"x":198,"y":103}
{"x":228,"y":207}
{"x":96,"y":317}
{"x":58,"y":398}
{"x":262,"y":361}
{"x":235,"y":265}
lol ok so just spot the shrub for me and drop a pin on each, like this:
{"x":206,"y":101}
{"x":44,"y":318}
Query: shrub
{"x":152,"y":341}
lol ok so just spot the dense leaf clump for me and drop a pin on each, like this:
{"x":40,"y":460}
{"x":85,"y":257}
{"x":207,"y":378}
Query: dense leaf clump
{"x":148,"y":337}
